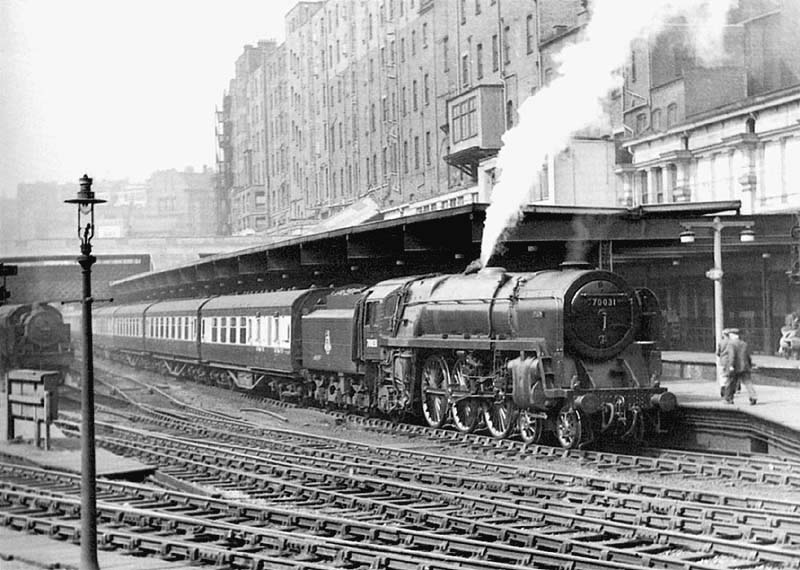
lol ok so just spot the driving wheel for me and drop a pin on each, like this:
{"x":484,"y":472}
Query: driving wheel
{"x":499,"y":417}
{"x":433,"y":390}
{"x":466,"y":411}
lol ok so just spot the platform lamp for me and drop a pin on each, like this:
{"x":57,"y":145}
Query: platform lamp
{"x":86,"y":201}
{"x":746,"y":235}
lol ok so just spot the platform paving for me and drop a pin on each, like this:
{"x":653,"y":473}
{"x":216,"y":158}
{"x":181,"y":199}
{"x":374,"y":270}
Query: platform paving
{"x":691,"y":376}
{"x":65,"y":454}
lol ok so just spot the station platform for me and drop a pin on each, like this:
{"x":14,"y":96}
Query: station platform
{"x":769,"y":370}
{"x":772,"y":425}
{"x":65,"y":455}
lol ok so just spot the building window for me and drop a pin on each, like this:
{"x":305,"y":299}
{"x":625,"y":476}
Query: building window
{"x":446,"y":53}
{"x":529,"y":33}
{"x":402,"y":50}
{"x":643,"y":194}
{"x":465,"y":70}
{"x":463,"y":12}
{"x":424,"y":35}
{"x":641,"y":123}
{"x":463,"y":124}
{"x":658,"y":183}
{"x":507,"y":45}
{"x":672,"y":180}
{"x":372,"y":117}
{"x":414,"y":101}
{"x":426,"y":93}
{"x":403,"y":102}
{"x":479,"y":60}
{"x":428,"y":148}
{"x":413,"y":42}
{"x":672,"y":114}
{"x":495,"y":54}
{"x":477,"y":7}
{"x":405,"y":157}
{"x":655,"y":119}
{"x":509,"y":114}
{"x":416,"y":153}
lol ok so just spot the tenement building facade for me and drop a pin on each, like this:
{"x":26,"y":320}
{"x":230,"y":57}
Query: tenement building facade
{"x":406,"y":101}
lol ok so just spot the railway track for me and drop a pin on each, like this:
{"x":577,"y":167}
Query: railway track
{"x":675,"y":465}
{"x":504,"y":508}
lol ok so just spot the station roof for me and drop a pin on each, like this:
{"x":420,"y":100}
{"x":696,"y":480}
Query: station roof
{"x":435,"y":241}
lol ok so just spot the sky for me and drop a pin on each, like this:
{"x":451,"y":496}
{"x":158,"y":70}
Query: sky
{"x":118,"y":88}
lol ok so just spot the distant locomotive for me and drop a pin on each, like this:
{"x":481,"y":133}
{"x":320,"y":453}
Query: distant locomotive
{"x":34,"y":336}
{"x":570,"y":351}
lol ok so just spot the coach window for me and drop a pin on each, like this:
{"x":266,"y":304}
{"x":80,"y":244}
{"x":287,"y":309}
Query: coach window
{"x":214,"y":329}
{"x":285,"y":324}
{"x":242,"y":330}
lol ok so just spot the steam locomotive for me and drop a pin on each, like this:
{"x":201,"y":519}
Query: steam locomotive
{"x":569,"y":351}
{"x":34,"y":336}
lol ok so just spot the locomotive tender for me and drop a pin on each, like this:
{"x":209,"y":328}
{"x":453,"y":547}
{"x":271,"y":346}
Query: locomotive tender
{"x":570,"y":351}
{"x":34,"y":336}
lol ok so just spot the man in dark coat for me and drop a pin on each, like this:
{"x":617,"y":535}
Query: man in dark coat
{"x":736,"y":364}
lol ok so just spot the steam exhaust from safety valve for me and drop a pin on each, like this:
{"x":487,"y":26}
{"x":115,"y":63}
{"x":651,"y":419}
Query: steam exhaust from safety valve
{"x":588,"y":71}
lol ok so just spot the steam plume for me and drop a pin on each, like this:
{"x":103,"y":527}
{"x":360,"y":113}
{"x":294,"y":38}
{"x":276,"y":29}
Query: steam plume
{"x":589,"y":70}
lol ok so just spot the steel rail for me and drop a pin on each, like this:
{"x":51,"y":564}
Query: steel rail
{"x":245,"y":468}
{"x":282,"y":530}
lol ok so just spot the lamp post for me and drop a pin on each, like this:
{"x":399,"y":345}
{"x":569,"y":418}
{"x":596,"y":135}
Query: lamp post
{"x":86,"y":201}
{"x":715,"y":273}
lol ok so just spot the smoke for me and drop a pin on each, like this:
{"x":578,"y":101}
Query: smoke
{"x":588,"y":71}
{"x":586,"y":230}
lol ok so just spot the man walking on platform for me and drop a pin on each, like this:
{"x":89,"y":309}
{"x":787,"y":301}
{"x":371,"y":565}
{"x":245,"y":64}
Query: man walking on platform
{"x":736,"y":364}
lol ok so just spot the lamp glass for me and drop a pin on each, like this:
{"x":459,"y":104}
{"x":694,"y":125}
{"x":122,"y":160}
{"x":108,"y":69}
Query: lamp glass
{"x":747,"y":235}
{"x":687,"y":236}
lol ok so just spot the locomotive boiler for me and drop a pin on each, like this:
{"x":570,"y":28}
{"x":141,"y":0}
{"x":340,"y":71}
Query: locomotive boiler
{"x":34,"y":336}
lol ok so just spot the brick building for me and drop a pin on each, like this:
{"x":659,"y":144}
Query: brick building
{"x":383,"y":99}
{"x":405,"y":101}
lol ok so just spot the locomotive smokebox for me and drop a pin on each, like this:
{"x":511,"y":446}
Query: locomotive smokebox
{"x":576,"y":265}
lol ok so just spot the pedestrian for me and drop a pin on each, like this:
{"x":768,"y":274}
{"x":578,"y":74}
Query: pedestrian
{"x":738,"y":363}
{"x":724,"y":363}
